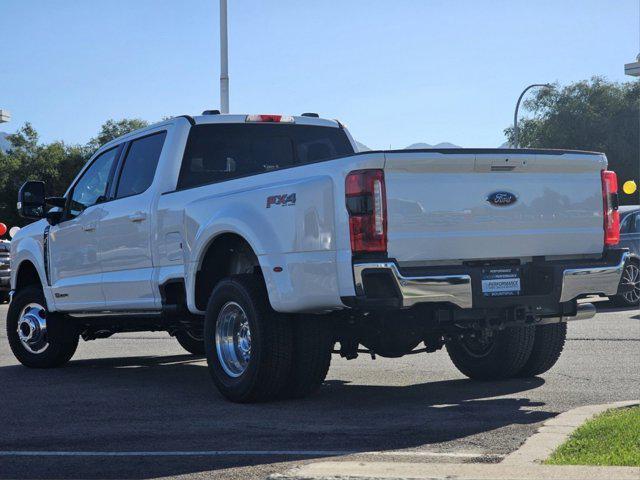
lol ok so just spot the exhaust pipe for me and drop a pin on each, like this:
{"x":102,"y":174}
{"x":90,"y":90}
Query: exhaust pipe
{"x":585,"y":311}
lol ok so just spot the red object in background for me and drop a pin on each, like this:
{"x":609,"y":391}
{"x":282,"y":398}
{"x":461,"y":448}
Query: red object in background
{"x":3,"y":229}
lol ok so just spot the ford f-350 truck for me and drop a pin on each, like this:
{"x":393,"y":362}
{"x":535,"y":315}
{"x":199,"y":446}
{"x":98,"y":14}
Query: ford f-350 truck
{"x":267,"y":243}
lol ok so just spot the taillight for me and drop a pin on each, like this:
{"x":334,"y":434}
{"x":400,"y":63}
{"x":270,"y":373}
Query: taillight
{"x":610,"y":206}
{"x":367,"y":207}
{"x":269,"y":119}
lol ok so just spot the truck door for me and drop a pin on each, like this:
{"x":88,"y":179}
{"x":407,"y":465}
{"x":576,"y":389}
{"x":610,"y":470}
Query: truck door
{"x":75,"y":273}
{"x":124,"y":232}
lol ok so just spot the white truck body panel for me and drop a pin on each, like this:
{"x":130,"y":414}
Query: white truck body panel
{"x":437,"y":214}
{"x":303,"y":239}
{"x":438,"y":208}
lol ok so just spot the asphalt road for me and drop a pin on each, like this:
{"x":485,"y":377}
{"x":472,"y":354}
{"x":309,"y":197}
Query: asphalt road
{"x":141,"y":396}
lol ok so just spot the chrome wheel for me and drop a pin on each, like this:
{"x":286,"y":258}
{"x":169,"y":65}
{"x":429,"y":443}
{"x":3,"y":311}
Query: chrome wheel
{"x":631,"y":278}
{"x":233,"y":339}
{"x":32,"y":328}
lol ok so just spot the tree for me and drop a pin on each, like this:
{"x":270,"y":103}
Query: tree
{"x":56,"y":163}
{"x":115,"y":128}
{"x":595,"y":115}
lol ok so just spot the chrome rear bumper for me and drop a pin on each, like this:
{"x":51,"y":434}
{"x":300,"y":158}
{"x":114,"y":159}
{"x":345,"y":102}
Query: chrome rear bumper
{"x":457,"y":289}
{"x":454,"y":289}
{"x":580,"y":281}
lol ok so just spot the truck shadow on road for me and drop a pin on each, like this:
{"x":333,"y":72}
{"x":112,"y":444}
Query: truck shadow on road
{"x":168,"y":403}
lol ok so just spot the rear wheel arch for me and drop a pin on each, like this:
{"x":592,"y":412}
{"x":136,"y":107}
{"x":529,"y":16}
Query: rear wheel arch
{"x":225,"y":255}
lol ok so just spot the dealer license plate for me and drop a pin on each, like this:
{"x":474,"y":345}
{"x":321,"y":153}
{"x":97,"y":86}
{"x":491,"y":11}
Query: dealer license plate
{"x":500,"y":282}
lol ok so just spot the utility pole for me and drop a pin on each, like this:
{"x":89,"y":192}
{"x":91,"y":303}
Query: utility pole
{"x":5,"y":116}
{"x":224,"y":59}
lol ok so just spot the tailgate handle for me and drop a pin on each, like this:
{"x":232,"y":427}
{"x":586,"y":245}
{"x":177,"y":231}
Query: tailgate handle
{"x":503,"y":163}
{"x":507,"y":164}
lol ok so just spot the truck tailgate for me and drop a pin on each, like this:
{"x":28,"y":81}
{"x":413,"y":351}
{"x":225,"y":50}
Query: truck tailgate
{"x":466,"y":206}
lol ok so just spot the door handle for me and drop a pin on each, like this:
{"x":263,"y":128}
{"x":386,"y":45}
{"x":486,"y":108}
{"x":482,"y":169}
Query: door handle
{"x":89,"y":227}
{"x":138,"y":217}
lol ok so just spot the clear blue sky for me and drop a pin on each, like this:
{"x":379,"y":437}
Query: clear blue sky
{"x":396,"y":72}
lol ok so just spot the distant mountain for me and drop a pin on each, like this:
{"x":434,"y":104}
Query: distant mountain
{"x":4,"y":143}
{"x":415,"y":146}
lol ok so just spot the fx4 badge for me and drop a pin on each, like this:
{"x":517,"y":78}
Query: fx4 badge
{"x":283,"y":200}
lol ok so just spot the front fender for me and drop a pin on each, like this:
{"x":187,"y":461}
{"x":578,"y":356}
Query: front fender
{"x":31,"y":249}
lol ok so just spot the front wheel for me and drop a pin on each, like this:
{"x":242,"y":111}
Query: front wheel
{"x":248,"y":345}
{"x":503,"y":355}
{"x":38,"y":338}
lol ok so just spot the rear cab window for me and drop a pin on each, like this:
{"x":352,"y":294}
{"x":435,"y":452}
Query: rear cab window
{"x":219,"y":152}
{"x":140,"y":164}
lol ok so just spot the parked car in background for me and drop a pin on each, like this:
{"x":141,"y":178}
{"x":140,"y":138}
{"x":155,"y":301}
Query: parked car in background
{"x":5,"y":270}
{"x":629,"y":290}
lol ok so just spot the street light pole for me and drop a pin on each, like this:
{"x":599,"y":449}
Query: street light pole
{"x":224,"y":59}
{"x":515,"y":114}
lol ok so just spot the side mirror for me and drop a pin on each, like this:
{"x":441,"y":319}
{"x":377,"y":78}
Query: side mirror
{"x":31,"y":200}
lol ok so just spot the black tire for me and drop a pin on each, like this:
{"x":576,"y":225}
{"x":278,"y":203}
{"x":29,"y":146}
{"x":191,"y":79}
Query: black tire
{"x":631,"y":274}
{"x":312,"y":345}
{"x":62,"y":337}
{"x":4,"y":297}
{"x":547,"y":347}
{"x":504,"y":357}
{"x":269,"y":364}
{"x":190,"y":341}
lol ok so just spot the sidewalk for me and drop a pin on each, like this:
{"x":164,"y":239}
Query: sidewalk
{"x":451,"y":471}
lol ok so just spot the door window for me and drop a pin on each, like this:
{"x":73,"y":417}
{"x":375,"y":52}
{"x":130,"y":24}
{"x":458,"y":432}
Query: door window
{"x":140,"y":165}
{"x":92,"y":186}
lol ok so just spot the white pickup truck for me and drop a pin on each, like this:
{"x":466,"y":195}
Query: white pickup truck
{"x":267,"y":243}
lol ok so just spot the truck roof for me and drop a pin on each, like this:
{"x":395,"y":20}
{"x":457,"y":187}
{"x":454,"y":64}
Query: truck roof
{"x":242,"y":118}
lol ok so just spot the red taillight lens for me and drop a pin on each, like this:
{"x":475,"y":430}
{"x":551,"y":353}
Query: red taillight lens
{"x":367,"y":206}
{"x":610,"y":206}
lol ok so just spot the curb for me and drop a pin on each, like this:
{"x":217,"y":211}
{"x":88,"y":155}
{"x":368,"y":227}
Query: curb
{"x":554,"y":432}
{"x":523,"y":464}
{"x":442,"y":471}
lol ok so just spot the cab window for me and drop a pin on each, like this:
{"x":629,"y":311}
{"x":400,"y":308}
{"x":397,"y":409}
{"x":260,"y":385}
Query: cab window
{"x":92,"y":187}
{"x":140,"y":165}
{"x":219,"y":152}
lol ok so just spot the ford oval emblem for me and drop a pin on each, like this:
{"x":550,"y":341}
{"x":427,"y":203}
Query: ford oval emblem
{"x":502,"y":199}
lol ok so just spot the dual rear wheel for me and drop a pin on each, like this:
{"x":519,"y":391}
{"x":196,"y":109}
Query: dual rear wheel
{"x":255,"y":354}
{"x":512,"y":352}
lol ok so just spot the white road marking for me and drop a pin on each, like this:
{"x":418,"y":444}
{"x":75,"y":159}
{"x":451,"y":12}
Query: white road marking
{"x":226,"y":453}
